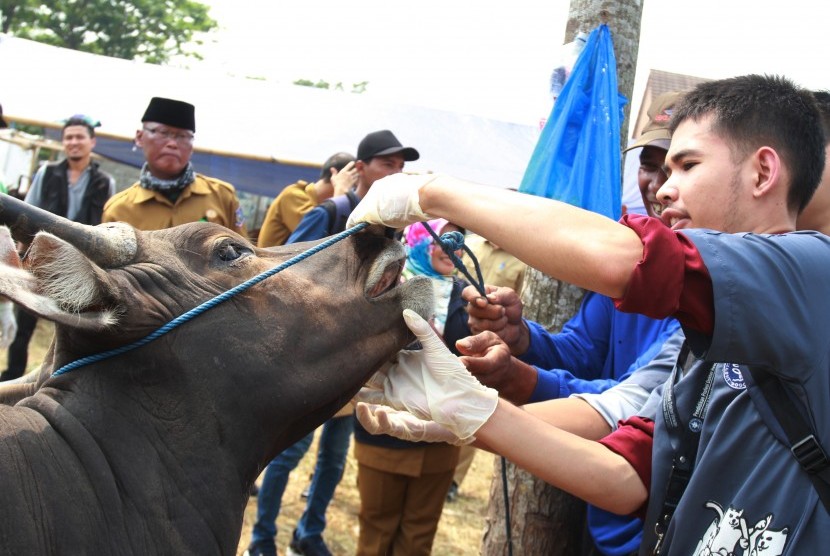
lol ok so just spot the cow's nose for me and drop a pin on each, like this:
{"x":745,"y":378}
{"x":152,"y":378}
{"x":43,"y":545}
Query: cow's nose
{"x":380,"y":231}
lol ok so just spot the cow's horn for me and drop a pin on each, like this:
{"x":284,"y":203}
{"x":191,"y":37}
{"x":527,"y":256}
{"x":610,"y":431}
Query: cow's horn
{"x":106,"y":246}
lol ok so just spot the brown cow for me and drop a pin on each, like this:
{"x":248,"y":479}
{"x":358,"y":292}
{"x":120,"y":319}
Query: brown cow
{"x":154,"y":451}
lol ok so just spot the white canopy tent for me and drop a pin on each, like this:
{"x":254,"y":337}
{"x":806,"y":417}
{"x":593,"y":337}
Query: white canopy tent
{"x":260,"y":136}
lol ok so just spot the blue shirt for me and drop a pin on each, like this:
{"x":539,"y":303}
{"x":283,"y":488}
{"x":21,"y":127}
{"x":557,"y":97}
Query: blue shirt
{"x":313,"y":226}
{"x":596,"y":349}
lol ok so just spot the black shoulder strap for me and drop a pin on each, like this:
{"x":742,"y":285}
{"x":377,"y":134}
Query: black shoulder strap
{"x":803,"y":443}
{"x":339,"y":208}
{"x":684,"y":437}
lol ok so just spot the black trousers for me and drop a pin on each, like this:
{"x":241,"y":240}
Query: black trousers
{"x":19,"y":349}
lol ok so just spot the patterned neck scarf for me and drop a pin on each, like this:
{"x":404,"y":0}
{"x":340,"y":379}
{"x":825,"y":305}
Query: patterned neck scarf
{"x":149,"y":181}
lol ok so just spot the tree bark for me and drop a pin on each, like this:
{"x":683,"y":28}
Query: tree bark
{"x":543,"y":519}
{"x":623,"y":18}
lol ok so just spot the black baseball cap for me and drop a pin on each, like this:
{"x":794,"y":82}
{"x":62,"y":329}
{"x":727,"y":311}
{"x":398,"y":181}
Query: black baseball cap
{"x":382,"y":143}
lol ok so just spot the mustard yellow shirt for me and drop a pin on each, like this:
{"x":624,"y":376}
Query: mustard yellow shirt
{"x":286,"y":212}
{"x":498,"y":267}
{"x":206,"y":199}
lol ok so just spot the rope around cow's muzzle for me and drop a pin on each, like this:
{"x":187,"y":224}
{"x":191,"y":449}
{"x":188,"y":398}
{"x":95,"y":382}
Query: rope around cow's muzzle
{"x":209,"y":304}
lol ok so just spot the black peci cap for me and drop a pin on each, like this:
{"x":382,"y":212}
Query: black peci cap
{"x":174,"y":113}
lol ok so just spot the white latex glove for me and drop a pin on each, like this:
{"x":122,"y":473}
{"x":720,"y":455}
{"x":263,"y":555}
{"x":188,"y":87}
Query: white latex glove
{"x":8,"y":324}
{"x":433,"y":385}
{"x":380,"y":419}
{"x":392,"y":201}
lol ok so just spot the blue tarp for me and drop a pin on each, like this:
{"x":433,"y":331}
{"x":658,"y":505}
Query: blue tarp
{"x":577,"y":157}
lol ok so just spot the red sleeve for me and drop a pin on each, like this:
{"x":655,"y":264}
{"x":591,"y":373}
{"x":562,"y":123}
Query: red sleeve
{"x":671,"y":279}
{"x":633,"y":440}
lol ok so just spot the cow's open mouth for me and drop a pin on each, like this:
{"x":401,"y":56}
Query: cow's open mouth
{"x":388,"y":279}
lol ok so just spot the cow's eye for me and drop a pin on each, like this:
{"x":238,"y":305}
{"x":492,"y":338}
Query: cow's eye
{"x":232,"y":251}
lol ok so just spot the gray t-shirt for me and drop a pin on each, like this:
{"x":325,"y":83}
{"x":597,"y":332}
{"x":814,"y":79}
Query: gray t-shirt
{"x":639,"y":394}
{"x":75,"y":197}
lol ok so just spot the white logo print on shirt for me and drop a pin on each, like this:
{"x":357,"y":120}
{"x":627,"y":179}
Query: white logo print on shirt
{"x":728,"y":535}
{"x":733,"y":377}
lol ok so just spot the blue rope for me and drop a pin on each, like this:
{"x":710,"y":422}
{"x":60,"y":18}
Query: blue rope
{"x":209,"y":304}
{"x":451,"y":242}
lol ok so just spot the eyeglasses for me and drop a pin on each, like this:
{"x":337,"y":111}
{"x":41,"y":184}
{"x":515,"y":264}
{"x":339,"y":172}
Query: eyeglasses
{"x":181,"y":138}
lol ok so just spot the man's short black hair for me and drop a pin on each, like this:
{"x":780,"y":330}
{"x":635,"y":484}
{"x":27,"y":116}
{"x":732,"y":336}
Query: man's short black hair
{"x":823,"y":105}
{"x":752,"y":111}
{"x":337,"y":161}
{"x":80,"y":120}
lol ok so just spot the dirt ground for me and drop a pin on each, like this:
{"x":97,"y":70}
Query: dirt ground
{"x":459,"y":531}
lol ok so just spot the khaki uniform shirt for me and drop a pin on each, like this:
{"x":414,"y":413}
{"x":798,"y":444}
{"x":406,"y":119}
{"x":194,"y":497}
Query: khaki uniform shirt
{"x":498,"y":267}
{"x":286,"y":212}
{"x":206,"y":199}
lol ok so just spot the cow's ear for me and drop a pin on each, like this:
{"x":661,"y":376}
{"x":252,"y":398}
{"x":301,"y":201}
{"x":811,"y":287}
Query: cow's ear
{"x":60,"y":284}
{"x":8,"y":250}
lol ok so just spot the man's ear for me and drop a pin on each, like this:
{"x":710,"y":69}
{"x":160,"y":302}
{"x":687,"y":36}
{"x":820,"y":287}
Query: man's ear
{"x":138,"y":135}
{"x":768,"y":171}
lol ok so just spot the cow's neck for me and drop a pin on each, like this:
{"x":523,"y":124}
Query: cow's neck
{"x":158,"y":449}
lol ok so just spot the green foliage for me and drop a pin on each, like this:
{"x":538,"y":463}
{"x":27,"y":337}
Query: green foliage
{"x":30,"y":129}
{"x":147,"y":30}
{"x":320,"y":84}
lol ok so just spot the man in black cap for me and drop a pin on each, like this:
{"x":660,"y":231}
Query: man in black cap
{"x":379,"y":154}
{"x":169,"y":191}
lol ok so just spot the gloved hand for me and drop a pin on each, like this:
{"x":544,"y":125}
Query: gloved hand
{"x":8,"y":324}
{"x":380,"y":419}
{"x":433,"y":385}
{"x":392,"y":201}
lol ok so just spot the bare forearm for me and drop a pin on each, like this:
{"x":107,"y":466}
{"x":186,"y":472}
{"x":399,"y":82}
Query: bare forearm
{"x":581,"y":467}
{"x":566,"y":242}
{"x":572,"y":415}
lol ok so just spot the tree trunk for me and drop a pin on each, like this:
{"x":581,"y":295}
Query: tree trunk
{"x":623,"y":18}
{"x":543,"y":519}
